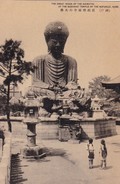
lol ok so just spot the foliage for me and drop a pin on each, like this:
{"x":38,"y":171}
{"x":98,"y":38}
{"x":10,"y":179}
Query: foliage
{"x":12,"y":69}
{"x":97,"y":89}
{"x":109,"y":98}
{"x":12,"y":62}
{"x":2,"y":104}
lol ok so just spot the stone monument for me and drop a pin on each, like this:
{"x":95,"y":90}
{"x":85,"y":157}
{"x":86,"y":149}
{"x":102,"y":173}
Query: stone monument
{"x":31,"y":149}
{"x":57,"y":72}
{"x":97,"y":112}
{"x":55,"y":67}
{"x":99,"y":125}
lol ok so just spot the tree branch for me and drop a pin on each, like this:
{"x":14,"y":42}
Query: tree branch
{"x":14,"y":71}
{"x":2,"y":76}
{"x":3,"y":92}
{"x":3,"y":68}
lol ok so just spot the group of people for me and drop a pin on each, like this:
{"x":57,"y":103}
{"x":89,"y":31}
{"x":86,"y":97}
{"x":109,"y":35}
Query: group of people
{"x":102,"y":153}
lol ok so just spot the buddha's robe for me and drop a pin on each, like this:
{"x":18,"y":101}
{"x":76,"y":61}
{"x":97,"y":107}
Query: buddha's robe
{"x":51,"y":71}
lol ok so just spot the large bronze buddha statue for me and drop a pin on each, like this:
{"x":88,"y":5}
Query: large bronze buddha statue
{"x":55,"y":67}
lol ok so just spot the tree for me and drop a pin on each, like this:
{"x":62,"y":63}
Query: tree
{"x":97,"y":89}
{"x":2,"y":104}
{"x":12,"y":70}
{"x":109,"y":97}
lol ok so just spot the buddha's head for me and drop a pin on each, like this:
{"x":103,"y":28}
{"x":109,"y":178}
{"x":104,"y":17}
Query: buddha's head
{"x":56,"y":34}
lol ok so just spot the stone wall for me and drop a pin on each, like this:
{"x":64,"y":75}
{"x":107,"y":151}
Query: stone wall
{"x":47,"y":130}
{"x":91,"y":128}
{"x":5,"y":162}
{"x":98,"y":128}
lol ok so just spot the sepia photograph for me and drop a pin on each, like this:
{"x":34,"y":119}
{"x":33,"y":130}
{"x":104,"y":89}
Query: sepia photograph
{"x":59,"y":92}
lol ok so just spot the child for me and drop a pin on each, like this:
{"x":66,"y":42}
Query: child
{"x":103,"y":153}
{"x":90,"y":149}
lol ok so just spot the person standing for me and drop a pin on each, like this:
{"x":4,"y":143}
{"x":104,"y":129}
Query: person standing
{"x":103,"y":154}
{"x":90,"y":149}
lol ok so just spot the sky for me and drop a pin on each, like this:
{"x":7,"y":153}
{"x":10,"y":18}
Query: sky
{"x":94,"y":39}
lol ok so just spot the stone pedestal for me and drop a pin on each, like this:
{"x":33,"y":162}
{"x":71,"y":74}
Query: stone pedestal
{"x":48,"y":128}
{"x":98,"y":128}
{"x":64,"y":134}
{"x":31,"y":134}
{"x":67,"y":128}
{"x":98,"y":114}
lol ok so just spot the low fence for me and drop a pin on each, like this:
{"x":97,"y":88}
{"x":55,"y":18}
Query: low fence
{"x":5,"y":161}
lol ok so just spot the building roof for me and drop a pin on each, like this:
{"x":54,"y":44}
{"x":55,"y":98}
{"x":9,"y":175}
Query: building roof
{"x":112,"y":83}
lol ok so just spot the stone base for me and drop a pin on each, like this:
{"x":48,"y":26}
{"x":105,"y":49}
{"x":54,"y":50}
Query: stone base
{"x":91,"y":128}
{"x":73,"y":141}
{"x":64,"y":134}
{"x":98,"y":128}
{"x":32,"y":152}
{"x":98,"y":114}
{"x":48,"y":129}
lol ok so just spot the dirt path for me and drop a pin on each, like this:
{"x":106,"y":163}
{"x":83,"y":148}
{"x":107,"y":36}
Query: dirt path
{"x":68,"y":165}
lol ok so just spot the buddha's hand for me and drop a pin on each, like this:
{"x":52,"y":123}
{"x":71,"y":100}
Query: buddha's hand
{"x":50,"y":87}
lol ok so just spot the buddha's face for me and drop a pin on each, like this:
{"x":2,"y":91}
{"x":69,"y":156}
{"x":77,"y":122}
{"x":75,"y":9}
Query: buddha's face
{"x":56,"y":45}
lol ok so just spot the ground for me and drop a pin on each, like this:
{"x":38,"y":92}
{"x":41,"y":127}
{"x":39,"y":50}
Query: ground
{"x":67,"y":163}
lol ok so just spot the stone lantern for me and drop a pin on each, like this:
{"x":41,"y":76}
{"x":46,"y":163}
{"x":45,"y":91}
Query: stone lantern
{"x":96,"y":108}
{"x":31,"y":120}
